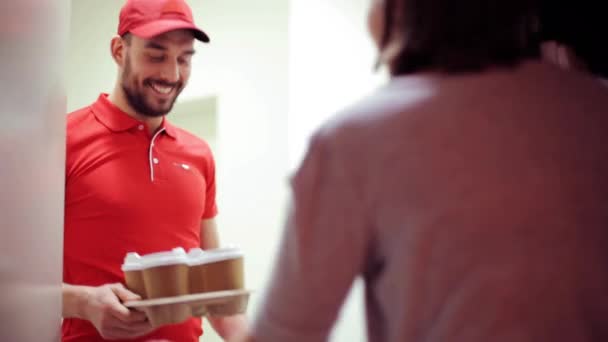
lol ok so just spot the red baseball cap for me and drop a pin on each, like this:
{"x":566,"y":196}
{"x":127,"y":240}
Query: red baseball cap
{"x":149,"y":18}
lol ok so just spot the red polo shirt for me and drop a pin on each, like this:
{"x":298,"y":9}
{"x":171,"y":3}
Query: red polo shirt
{"x":129,"y":191}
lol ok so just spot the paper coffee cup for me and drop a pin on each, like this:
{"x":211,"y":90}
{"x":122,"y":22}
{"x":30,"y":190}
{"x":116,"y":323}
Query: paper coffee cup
{"x":132,"y":269}
{"x":216,"y":270}
{"x":165,"y":274}
{"x":196,"y":272}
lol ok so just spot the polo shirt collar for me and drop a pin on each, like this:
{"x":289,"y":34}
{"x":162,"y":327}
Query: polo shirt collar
{"x":169,"y":128}
{"x":117,"y":120}
{"x":111,"y":116}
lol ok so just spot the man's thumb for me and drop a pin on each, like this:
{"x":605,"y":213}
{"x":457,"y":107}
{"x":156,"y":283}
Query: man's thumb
{"x":123,"y":294}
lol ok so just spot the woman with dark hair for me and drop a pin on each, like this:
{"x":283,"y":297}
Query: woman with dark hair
{"x":469,"y":193}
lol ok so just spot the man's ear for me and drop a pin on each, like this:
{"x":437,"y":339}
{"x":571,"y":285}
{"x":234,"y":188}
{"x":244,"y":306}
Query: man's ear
{"x":117,"y":49}
{"x":561,"y":55}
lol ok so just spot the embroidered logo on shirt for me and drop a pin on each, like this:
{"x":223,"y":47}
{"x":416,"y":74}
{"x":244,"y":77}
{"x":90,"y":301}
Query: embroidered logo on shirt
{"x":182,"y":165}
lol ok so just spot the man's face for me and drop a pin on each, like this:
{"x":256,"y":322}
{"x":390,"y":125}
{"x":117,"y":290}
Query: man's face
{"x":155,"y":71}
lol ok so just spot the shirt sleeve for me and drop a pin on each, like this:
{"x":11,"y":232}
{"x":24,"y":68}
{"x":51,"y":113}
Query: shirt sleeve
{"x":210,"y":202}
{"x":322,"y":251}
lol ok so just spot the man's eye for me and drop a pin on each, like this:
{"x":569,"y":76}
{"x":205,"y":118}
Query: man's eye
{"x":157,"y":58}
{"x":184,"y":60}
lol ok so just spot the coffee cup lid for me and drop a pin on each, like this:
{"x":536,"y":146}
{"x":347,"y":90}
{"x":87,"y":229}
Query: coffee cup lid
{"x":132,"y":262}
{"x":176,"y":256}
{"x":196,"y":253}
{"x":197,"y":256}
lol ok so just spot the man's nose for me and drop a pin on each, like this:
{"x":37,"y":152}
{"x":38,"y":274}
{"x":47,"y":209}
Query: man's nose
{"x":170,"y":72}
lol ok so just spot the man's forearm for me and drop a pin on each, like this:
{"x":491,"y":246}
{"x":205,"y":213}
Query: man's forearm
{"x":74,"y":298}
{"x":230,"y":326}
{"x":244,"y":337}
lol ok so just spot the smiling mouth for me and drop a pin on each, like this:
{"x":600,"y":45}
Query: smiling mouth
{"x":162,"y":89}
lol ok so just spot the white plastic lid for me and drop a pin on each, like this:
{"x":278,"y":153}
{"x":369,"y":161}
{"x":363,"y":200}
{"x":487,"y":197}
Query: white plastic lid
{"x":174,"y":257}
{"x":196,"y":252}
{"x":132,"y":263}
{"x":197,"y":256}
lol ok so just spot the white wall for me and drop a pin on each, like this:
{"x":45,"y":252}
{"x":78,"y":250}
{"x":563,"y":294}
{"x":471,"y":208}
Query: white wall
{"x":89,"y":65}
{"x":331,"y":64}
{"x":32,"y":143}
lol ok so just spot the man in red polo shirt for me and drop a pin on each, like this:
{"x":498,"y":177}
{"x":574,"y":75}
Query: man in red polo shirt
{"x":134,"y":182}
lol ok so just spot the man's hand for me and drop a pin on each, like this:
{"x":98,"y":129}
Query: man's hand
{"x":112,"y":319}
{"x":103,"y":308}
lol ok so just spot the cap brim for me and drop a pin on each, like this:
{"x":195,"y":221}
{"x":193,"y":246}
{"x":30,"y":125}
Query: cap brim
{"x":158,"y":27}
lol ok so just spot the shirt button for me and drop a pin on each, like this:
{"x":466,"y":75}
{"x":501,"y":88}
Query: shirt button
{"x":155,"y":160}
{"x":140,"y":127}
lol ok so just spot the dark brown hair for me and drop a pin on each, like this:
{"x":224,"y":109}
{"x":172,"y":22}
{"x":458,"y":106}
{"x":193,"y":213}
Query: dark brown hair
{"x":457,"y":35}
{"x":127,"y":38}
{"x":580,"y":24}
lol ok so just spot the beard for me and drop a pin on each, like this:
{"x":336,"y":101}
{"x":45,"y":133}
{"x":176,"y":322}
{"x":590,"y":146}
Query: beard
{"x":141,"y":103}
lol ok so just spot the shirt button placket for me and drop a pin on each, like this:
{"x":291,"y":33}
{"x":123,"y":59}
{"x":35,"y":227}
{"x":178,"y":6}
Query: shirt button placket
{"x":152,"y":159}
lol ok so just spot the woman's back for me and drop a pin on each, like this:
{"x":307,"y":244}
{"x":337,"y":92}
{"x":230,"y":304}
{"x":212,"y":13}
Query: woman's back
{"x":487,"y":200}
